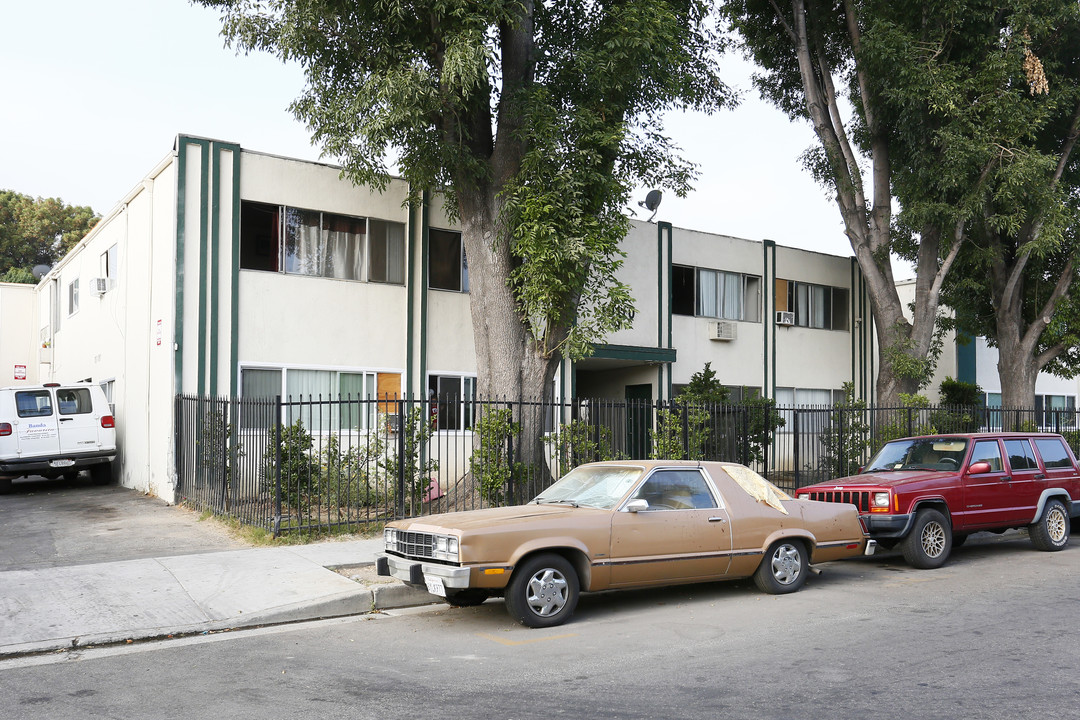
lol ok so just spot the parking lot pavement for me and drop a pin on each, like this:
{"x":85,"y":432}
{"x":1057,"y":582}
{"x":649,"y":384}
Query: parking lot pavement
{"x":54,"y":523}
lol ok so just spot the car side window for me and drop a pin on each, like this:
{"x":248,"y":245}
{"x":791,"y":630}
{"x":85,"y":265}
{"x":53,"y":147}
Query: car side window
{"x":33,"y":403}
{"x":1020,"y":455}
{"x":1053,"y":452}
{"x":73,"y":401}
{"x":676,"y":490}
{"x":988,"y":451}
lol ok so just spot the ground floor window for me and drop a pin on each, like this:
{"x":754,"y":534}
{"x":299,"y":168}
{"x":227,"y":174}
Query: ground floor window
{"x":452,"y":399}
{"x":323,"y":400}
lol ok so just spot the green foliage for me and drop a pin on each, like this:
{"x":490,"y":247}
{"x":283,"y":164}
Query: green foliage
{"x":408,"y":463}
{"x":35,"y":231}
{"x":846,"y":440}
{"x":704,"y":388}
{"x":960,"y":394}
{"x":350,"y":478}
{"x":580,"y":442}
{"x":763,"y":423}
{"x":18,"y":275}
{"x":682,"y":433}
{"x":291,"y":454}
{"x":490,"y":462}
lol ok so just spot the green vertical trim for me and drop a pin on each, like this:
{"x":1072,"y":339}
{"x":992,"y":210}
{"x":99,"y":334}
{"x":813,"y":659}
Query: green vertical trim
{"x":663,"y":302}
{"x":410,"y":299}
{"x":181,"y":229}
{"x":424,"y":241}
{"x":670,"y":314}
{"x":767,"y":317}
{"x":214,"y":263}
{"x":772,"y":322}
{"x":851,"y":309}
{"x":234,"y":272}
{"x":204,"y":219}
{"x":182,"y":143}
{"x":966,"y":366}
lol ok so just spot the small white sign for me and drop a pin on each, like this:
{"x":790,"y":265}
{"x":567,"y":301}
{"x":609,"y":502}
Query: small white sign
{"x":20,"y":372}
{"x":157,"y":332}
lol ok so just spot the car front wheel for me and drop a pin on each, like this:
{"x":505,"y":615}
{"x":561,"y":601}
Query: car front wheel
{"x":1051,"y":532}
{"x":784,"y":568}
{"x":928,"y":544}
{"x":543,"y":591}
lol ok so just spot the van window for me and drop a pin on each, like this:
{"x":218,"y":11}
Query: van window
{"x":1020,"y":455}
{"x":33,"y":403}
{"x":1053,"y":453}
{"x":73,"y":401}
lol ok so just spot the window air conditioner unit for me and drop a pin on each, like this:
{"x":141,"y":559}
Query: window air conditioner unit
{"x":785,"y":317}
{"x":722,"y":330}
{"x":99,"y":285}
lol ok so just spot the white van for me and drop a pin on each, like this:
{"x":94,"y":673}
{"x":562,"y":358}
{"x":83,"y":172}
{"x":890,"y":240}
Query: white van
{"x":53,"y":430}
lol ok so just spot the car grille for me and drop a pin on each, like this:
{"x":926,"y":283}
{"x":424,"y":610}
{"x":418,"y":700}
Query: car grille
{"x":858,"y":498}
{"x":414,"y":544}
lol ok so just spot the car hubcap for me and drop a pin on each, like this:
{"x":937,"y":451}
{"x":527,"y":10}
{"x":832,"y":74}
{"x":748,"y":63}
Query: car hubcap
{"x":547,"y":592}
{"x":785,"y":564}
{"x":1055,"y":525}
{"x":933,"y":539}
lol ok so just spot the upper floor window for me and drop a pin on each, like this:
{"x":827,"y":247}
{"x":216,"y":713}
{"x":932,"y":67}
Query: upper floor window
{"x":73,"y":297}
{"x":714,"y":293}
{"x":448,"y":268}
{"x":815,"y":306}
{"x":309,"y":242}
{"x":109,"y":267}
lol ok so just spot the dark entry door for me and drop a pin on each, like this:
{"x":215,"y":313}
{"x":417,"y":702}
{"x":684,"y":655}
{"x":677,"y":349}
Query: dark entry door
{"x":638,"y":420}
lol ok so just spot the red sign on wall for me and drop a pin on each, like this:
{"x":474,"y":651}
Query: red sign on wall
{"x":20,"y":372}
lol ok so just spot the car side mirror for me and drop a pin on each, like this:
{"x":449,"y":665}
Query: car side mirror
{"x":979,"y":468}
{"x":637,"y":505}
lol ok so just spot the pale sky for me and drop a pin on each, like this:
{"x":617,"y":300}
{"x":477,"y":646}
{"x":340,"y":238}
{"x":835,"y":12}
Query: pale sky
{"x":95,"y":92}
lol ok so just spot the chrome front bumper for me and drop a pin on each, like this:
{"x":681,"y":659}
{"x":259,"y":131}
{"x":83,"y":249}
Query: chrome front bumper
{"x":414,"y":571}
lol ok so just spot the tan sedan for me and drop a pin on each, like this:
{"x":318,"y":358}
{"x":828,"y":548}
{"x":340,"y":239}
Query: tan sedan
{"x":621,"y":525}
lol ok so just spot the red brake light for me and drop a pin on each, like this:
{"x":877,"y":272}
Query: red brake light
{"x":5,"y":429}
{"x":107,"y":421}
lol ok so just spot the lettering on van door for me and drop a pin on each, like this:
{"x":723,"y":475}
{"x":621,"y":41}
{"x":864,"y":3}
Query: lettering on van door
{"x":37,"y":431}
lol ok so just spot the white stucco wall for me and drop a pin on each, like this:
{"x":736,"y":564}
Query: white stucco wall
{"x":18,"y":331}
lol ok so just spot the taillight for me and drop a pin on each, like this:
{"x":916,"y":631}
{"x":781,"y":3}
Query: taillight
{"x":107,"y":421}
{"x":5,"y":429}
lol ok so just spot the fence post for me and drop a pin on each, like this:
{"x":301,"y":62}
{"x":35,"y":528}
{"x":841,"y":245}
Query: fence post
{"x":795,"y":440}
{"x":744,"y":451}
{"x":276,"y":529}
{"x":841,"y":461}
{"x":224,"y":456}
{"x":402,"y":424}
{"x":510,"y":455}
{"x":910,"y":426}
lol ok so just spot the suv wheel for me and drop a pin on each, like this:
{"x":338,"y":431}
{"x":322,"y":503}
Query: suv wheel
{"x":928,"y":544}
{"x":1051,"y":532}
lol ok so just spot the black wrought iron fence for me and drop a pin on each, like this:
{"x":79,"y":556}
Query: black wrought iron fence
{"x":314,"y":463}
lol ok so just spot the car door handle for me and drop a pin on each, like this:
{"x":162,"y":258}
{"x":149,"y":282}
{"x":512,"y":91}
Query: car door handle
{"x":1039,"y":476}
{"x":717,"y":519}
{"x":66,"y":419}
{"x":1007,"y":478}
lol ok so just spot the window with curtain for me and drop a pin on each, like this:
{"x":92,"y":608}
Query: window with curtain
{"x":447,"y":268}
{"x":815,"y":306}
{"x":386,"y":252}
{"x":259,"y":384}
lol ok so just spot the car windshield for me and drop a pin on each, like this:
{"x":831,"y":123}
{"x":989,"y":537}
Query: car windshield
{"x":599,"y":486}
{"x":942,"y":453}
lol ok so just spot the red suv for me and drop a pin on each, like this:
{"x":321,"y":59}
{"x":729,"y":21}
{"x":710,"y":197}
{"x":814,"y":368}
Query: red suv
{"x":927,"y":494}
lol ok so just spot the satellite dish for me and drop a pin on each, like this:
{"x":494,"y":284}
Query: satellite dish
{"x":41,"y":271}
{"x":651,"y":202}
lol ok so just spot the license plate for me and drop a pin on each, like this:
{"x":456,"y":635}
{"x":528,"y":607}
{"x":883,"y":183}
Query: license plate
{"x":61,"y":463}
{"x":435,"y":586}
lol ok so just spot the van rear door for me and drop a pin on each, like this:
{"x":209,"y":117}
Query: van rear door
{"x":78,"y":423}
{"x":37,"y":428}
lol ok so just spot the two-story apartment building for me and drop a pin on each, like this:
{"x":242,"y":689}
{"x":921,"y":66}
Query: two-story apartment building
{"x":228,"y":272}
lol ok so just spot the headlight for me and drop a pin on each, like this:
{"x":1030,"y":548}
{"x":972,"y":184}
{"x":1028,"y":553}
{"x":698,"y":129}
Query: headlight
{"x":881,"y":499}
{"x":390,"y":538}
{"x":446,"y":548}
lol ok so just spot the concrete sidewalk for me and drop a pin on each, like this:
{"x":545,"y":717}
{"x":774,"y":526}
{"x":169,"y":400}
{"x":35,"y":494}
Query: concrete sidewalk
{"x":54,"y":608}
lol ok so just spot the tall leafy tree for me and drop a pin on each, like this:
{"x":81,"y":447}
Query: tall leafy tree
{"x":1019,"y":264}
{"x":855,"y":69}
{"x":36,"y":231}
{"x":535,"y":119}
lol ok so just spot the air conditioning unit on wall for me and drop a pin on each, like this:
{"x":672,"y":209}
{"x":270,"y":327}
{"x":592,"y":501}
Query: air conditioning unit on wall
{"x":99,"y":285}
{"x":722,"y":330}
{"x":785,"y":317}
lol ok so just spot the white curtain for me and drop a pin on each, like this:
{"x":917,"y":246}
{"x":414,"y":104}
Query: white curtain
{"x":733,"y":296}
{"x":304,"y":385}
{"x":707,"y":282}
{"x":304,"y":250}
